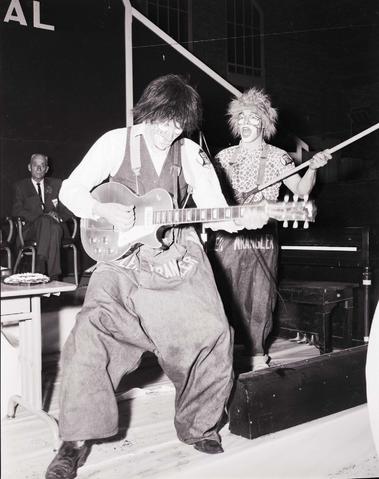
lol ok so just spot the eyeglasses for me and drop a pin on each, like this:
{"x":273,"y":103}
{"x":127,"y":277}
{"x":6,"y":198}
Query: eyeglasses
{"x":251,"y":119}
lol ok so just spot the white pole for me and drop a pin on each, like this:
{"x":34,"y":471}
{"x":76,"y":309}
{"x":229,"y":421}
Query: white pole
{"x":184,"y":52}
{"x":128,"y":63}
{"x":303,"y":165}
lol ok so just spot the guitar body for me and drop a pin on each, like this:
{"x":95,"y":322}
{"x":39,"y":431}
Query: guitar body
{"x":103,"y":242}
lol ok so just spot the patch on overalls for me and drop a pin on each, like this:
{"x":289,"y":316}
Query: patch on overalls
{"x":264,"y":242}
{"x":203,"y":158}
{"x":175,"y":268}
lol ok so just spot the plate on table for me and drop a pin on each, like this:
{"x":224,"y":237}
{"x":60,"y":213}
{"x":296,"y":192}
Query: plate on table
{"x":27,"y":278}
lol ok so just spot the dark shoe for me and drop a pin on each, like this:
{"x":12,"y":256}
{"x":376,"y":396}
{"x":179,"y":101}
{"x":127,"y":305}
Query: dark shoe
{"x":66,"y":462}
{"x":209,"y":446}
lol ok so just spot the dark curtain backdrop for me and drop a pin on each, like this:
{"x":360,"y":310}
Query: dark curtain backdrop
{"x":60,"y":89}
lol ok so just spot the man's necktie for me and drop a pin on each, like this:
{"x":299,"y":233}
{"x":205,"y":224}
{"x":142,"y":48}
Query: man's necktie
{"x":40,"y":195}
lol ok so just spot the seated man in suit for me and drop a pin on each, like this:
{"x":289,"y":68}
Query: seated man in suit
{"x":36,"y":200}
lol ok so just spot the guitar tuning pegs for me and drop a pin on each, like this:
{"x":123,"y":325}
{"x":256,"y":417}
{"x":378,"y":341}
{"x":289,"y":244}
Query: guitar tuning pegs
{"x":306,"y":198}
{"x":285,"y":224}
{"x":306,"y":225}
{"x":295,"y":224}
{"x":295,"y":198}
{"x":286,"y":198}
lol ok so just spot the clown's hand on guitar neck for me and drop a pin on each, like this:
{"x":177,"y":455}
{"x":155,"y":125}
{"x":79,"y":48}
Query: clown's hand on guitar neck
{"x":253,"y":219}
{"x":121,"y":216}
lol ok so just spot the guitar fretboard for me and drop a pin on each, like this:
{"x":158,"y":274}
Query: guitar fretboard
{"x":197,"y":215}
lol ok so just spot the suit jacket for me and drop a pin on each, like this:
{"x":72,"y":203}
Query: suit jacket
{"x":26,"y":202}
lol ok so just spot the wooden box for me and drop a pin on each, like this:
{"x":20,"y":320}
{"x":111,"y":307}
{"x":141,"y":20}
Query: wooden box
{"x":278,"y":398}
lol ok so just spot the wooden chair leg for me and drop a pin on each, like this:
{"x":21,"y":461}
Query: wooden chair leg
{"x":33,"y":260}
{"x":9,"y":257}
{"x":26,"y":250}
{"x":18,"y":259}
{"x":76,"y":274}
{"x":74,"y":249}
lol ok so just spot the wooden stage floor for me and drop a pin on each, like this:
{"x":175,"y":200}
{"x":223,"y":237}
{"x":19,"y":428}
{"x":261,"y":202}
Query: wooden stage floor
{"x":336,"y":446}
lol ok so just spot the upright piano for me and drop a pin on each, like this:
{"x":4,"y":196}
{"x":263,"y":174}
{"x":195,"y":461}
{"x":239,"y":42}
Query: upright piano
{"x":318,"y":261}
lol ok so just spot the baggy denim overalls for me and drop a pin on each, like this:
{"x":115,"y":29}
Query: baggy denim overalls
{"x":163,"y":301}
{"x":245,"y":264}
{"x":245,"y":267}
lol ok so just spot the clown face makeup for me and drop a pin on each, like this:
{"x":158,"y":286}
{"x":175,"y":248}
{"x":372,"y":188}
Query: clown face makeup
{"x":250,"y":126}
{"x":163,"y":133}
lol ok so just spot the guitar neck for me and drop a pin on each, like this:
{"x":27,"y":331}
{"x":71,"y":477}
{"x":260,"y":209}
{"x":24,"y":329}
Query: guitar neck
{"x":281,"y":211}
{"x":197,"y":215}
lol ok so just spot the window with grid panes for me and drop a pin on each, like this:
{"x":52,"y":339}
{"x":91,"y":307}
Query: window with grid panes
{"x":244,"y":29}
{"x":172,"y":16}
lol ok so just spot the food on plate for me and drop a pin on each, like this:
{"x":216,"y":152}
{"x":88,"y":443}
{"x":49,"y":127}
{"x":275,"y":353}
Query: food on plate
{"x":27,"y":278}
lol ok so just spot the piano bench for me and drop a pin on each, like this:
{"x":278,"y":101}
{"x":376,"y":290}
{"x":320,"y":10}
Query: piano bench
{"x":316,"y":301}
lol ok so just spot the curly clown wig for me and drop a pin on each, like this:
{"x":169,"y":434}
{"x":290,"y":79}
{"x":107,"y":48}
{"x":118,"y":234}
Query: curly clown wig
{"x":258,"y":102}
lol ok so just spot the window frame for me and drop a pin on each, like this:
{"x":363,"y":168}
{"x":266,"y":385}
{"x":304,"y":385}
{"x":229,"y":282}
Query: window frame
{"x":186,"y":43}
{"x":244,"y":78}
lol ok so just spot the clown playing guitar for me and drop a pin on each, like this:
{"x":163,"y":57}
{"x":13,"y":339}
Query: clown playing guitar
{"x":133,"y":304}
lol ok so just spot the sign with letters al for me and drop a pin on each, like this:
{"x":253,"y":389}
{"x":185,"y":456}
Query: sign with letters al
{"x":16,"y":13}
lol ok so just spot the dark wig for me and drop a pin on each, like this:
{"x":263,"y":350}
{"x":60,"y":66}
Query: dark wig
{"x":170,"y":97}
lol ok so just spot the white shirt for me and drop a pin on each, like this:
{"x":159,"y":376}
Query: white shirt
{"x":105,"y":158}
{"x":42,"y":184}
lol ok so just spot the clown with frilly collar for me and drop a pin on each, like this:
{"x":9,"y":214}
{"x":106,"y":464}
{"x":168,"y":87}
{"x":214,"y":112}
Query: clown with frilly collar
{"x":246,"y":262}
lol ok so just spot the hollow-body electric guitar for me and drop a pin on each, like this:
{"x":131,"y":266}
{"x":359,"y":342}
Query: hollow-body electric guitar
{"x":103,"y":242}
